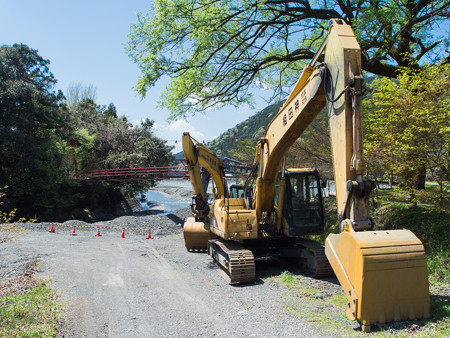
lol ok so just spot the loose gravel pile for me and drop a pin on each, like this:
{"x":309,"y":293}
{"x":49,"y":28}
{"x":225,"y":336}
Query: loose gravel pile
{"x":140,"y":220}
{"x":139,"y":223}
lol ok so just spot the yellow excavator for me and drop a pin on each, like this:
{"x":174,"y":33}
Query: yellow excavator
{"x":202,"y":163}
{"x":383,"y":273}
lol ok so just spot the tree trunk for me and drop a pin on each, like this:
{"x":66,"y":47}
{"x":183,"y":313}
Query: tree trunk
{"x":421,"y":175}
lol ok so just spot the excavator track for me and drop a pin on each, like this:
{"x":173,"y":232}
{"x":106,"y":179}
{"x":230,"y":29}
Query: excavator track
{"x":237,"y":264}
{"x":316,"y":259}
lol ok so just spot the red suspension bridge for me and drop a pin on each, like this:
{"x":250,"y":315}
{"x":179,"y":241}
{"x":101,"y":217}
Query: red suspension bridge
{"x":158,"y":173}
{"x":134,"y":174}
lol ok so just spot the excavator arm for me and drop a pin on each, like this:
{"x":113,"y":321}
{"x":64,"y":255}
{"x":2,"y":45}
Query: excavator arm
{"x":196,"y":155}
{"x":196,"y":228}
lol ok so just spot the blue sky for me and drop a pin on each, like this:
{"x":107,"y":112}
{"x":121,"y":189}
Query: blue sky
{"x":84,"y":41}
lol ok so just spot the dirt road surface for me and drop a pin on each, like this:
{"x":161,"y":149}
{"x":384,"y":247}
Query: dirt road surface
{"x":135,"y":287}
{"x":138,"y":287}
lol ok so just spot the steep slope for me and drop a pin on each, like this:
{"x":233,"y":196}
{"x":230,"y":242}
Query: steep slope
{"x":252,"y":128}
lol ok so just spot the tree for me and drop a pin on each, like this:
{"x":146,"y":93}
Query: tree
{"x":30,"y":121}
{"x":77,"y":92}
{"x":243,"y":151}
{"x":102,"y":140}
{"x":215,"y":51}
{"x":407,"y":128}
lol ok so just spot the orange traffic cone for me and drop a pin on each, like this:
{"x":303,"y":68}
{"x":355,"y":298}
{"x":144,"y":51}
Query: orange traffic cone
{"x":123,"y":233}
{"x":149,"y":233}
{"x":73,"y":231}
{"x":51,"y":228}
{"x":98,"y":232}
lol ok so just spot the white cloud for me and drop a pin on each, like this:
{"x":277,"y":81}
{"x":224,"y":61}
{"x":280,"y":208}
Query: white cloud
{"x":181,"y":126}
{"x":262,"y":85}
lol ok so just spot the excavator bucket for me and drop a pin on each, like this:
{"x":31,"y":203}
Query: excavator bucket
{"x":383,"y":273}
{"x":196,"y":234}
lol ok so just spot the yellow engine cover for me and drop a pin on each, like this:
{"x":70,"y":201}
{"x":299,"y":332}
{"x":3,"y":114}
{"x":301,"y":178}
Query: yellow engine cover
{"x":230,"y":219}
{"x":383,"y":273}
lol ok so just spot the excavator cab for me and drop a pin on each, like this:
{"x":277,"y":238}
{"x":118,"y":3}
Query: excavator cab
{"x":302,"y":206}
{"x":237,"y":191}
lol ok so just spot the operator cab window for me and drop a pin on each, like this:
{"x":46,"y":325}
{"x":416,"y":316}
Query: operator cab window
{"x":305,"y":201}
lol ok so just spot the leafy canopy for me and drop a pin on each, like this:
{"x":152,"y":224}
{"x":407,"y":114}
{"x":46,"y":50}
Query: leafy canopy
{"x":215,"y":51}
{"x":30,"y":157}
{"x":407,"y":124}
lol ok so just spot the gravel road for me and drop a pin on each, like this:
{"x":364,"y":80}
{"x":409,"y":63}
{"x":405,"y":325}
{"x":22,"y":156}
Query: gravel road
{"x":137,"y":287}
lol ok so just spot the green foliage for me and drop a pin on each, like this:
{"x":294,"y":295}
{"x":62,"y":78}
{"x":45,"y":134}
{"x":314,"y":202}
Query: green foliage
{"x":9,"y":230}
{"x":313,"y":148}
{"x":29,"y":130}
{"x":243,"y":150}
{"x":407,"y":128}
{"x":215,"y":51}
{"x":7,"y":216}
{"x":33,"y":312}
{"x":104,"y":141}
{"x":289,"y":279}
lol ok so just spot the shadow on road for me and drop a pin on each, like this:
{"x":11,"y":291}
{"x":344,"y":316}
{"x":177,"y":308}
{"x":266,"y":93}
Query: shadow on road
{"x":175,"y":219}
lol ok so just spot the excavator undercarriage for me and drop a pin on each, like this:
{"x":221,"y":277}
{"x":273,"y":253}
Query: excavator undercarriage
{"x":236,"y":263}
{"x":237,"y":260}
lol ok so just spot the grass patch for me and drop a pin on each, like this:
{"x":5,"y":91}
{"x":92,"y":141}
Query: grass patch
{"x":314,"y":304}
{"x":340,"y":299}
{"x":440,"y":314}
{"x":289,"y":279}
{"x":28,"y":308}
{"x":328,"y":312}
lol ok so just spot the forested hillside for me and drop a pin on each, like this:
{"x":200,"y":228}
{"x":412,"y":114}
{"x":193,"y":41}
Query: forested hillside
{"x":252,"y":128}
